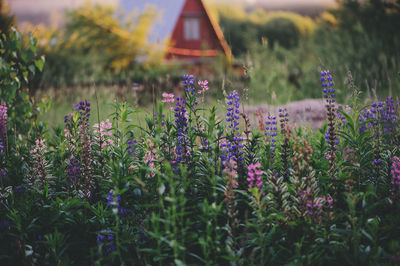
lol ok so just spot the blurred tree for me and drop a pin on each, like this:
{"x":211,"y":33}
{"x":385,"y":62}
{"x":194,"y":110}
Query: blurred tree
{"x":98,"y":45}
{"x":280,"y":31}
{"x":380,"y":18}
{"x":6,"y":20}
{"x":244,"y":29}
{"x":96,"y":28}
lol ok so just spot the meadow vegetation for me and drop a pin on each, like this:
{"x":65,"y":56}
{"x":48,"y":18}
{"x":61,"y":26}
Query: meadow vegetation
{"x":188,"y":186}
{"x":188,"y":182}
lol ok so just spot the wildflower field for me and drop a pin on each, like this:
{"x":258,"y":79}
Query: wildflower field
{"x":192,"y":187}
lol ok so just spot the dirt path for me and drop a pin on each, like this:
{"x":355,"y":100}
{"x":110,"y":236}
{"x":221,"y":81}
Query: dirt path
{"x":309,"y":112}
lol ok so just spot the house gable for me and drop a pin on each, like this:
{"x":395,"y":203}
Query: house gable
{"x":206,"y":41}
{"x":210,"y":41}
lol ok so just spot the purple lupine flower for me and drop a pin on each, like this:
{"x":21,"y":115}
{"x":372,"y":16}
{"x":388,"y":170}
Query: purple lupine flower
{"x":84,"y":112}
{"x":340,"y":117}
{"x":3,"y":174}
{"x":188,"y":84}
{"x":232,"y":116}
{"x":327,"y":138}
{"x":231,"y":149}
{"x":329,"y":95}
{"x":83,"y":109}
{"x":132,"y":147}
{"x":204,"y":144}
{"x":105,"y":240}
{"x":388,"y":116}
{"x":271,"y":132}
{"x":377,"y":110}
{"x":366,"y":115}
{"x":19,"y":189}
{"x":4,"y":225}
{"x":181,"y":124}
{"x":74,"y":172}
{"x":327,"y":85}
{"x":113,"y":200}
{"x":68,"y":121}
{"x":3,"y":126}
{"x":377,"y":161}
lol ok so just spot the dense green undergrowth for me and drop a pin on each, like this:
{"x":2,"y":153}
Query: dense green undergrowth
{"x":187,"y":187}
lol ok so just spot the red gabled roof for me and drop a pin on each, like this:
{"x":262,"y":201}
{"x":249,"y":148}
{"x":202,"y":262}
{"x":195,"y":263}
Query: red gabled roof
{"x":169,"y":18}
{"x":211,"y":34}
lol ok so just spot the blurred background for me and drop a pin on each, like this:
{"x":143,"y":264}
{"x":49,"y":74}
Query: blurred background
{"x":278,"y":48}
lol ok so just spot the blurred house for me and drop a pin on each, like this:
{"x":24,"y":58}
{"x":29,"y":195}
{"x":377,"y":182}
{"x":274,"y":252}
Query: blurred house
{"x":187,"y":27}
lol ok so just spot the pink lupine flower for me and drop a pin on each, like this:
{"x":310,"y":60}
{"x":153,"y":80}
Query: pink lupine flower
{"x":67,"y":133}
{"x":396,"y":178}
{"x":330,"y":201}
{"x":3,"y":125}
{"x":151,"y":157}
{"x":168,"y":98}
{"x":40,"y":147}
{"x":104,"y":131}
{"x":254,"y":176}
{"x":204,"y":86}
{"x":318,"y":209}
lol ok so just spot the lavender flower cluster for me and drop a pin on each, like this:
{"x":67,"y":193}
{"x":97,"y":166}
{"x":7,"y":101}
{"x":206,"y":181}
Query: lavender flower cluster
{"x":380,"y":113}
{"x":4,"y":225}
{"x":329,"y":95}
{"x":113,"y":200}
{"x":3,"y":174}
{"x":231,"y":149}
{"x":132,"y":147}
{"x":3,"y":127}
{"x":188,"y":84}
{"x":181,"y":124}
{"x":106,"y":242}
{"x":68,"y":121}
{"x":84,"y":112}
{"x":74,"y":172}
{"x":271,"y":132}
{"x":389,"y":116}
{"x":327,"y":85}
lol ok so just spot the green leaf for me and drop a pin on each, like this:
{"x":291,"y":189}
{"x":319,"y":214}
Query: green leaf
{"x":32,"y":69}
{"x":39,"y":64}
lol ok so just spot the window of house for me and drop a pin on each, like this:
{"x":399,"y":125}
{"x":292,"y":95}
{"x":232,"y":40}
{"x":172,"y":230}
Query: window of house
{"x":191,"y":28}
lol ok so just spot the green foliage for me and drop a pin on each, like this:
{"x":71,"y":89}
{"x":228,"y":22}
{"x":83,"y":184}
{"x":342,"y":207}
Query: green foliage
{"x":243,"y":31}
{"x":128,"y":193}
{"x":281,"y":31}
{"x":6,"y":20}
{"x":19,"y":63}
